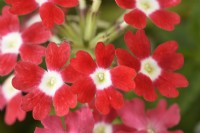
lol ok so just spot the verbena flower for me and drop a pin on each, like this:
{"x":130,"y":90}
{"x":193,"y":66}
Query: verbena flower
{"x":156,"y":70}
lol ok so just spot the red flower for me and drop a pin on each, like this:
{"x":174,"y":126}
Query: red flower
{"x":50,"y":13}
{"x":11,"y":98}
{"x":156,"y":120}
{"x":153,"y":70}
{"x":46,"y":86}
{"x":14,"y":42}
{"x":153,"y":9}
{"x":99,"y":81}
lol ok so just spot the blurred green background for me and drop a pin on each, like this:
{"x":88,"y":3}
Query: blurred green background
{"x":187,"y":34}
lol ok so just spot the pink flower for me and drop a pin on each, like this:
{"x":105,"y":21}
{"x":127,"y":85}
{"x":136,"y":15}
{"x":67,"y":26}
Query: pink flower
{"x":156,"y":70}
{"x":80,"y":121}
{"x":11,"y":98}
{"x":45,"y":87}
{"x":153,"y":9}
{"x":98,"y":80}
{"x":13,"y":41}
{"x":49,"y":10}
{"x":156,"y":120}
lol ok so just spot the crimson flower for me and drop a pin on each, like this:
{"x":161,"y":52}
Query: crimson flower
{"x":13,"y":41}
{"x":153,"y":9}
{"x":49,"y":10}
{"x":156,"y":120}
{"x":45,"y":87}
{"x":11,"y":98}
{"x":98,"y":80}
{"x":156,"y":70}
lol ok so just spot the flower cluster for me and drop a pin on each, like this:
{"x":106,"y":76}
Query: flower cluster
{"x":46,"y":76}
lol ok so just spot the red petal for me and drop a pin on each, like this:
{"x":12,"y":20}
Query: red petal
{"x":144,"y":87}
{"x":138,"y":44}
{"x":104,"y":54}
{"x":83,"y":63}
{"x":126,"y":59}
{"x":36,"y":34}
{"x":126,"y":4}
{"x":27,"y":76}
{"x":136,"y":18}
{"x":166,"y":56}
{"x":22,"y":7}
{"x":165,"y":19}
{"x":51,"y":14}
{"x":57,"y":56}
{"x":85,"y":89}
{"x":63,"y":100}
{"x":32,"y":53}
{"x":116,"y":98}
{"x":122,"y":77}
{"x":168,"y":3}
{"x":102,"y":102}
{"x":68,"y":3}
{"x":8,"y":22}
{"x":7,"y":63}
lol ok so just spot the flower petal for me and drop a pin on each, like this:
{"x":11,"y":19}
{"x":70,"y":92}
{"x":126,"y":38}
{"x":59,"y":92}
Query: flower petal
{"x":57,"y":56}
{"x":126,"y":4}
{"x":122,"y":78}
{"x":165,"y":19}
{"x":168,"y":3}
{"x":136,"y":18}
{"x":102,"y":102}
{"x":139,"y":44}
{"x":68,"y":3}
{"x":104,"y":54}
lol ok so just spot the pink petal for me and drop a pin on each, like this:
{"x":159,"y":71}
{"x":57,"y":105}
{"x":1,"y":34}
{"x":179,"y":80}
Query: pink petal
{"x":165,"y":19}
{"x":57,"y":56}
{"x":85,"y":89}
{"x":144,"y":87}
{"x":22,"y":7}
{"x":80,"y":121}
{"x":116,"y":98}
{"x":166,"y":56}
{"x":36,"y":34}
{"x":139,"y":44}
{"x":51,"y":14}
{"x":122,"y":77}
{"x":168,"y":3}
{"x":8,"y":22}
{"x":83,"y":63}
{"x":32,"y":53}
{"x":136,"y":18}
{"x":68,"y":3}
{"x":126,"y":59}
{"x":27,"y":76}
{"x":104,"y":54}
{"x":133,"y":114}
{"x":7,"y":63}
{"x":126,"y":4}
{"x":102,"y":102}
{"x":63,"y":100}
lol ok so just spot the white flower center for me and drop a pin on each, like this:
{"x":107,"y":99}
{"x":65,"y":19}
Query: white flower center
{"x":150,"y":130}
{"x":147,"y":6}
{"x":51,"y":82}
{"x":102,"y":127}
{"x":101,"y":78}
{"x":11,"y":43}
{"x":8,"y":90}
{"x":150,"y":68}
{"x":40,"y":2}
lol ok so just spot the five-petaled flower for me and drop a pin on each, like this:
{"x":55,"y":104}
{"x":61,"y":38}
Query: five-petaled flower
{"x":156,"y":70}
{"x":153,"y":9}
{"x":50,"y":13}
{"x":156,"y":120}
{"x":43,"y":87}
{"x":98,"y":80}
{"x":13,"y":41}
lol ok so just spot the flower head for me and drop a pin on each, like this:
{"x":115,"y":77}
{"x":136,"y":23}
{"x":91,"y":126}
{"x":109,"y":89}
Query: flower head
{"x":156,"y":70}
